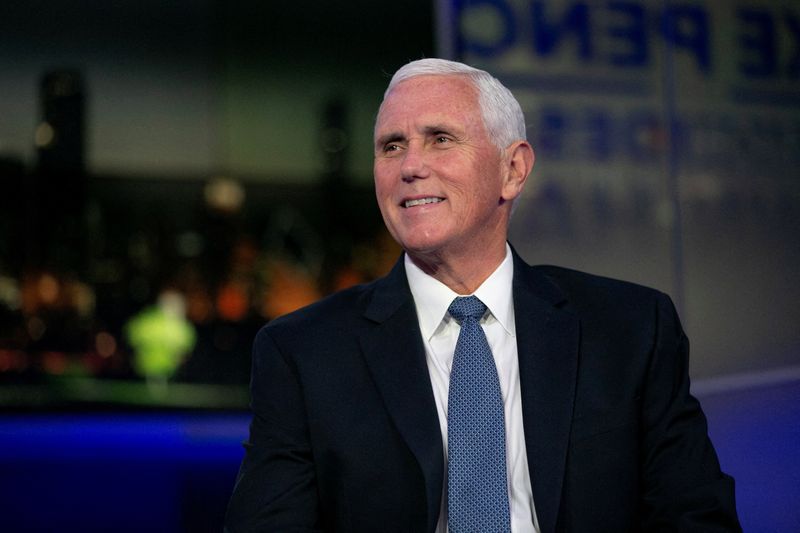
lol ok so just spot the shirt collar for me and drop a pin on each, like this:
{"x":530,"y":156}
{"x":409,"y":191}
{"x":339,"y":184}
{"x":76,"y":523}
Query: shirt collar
{"x":432,"y":297}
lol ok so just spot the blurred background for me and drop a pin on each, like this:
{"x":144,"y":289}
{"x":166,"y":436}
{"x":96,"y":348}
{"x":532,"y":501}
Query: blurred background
{"x":174,"y":174}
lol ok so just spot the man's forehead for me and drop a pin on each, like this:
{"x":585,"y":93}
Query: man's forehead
{"x":441,"y":98}
{"x":431,"y":85}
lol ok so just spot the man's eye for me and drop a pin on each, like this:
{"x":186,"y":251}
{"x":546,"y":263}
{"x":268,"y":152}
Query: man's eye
{"x":391,"y":148}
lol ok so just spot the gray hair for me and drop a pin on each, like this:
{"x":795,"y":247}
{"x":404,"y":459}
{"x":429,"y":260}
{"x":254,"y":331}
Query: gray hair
{"x":501,"y":113}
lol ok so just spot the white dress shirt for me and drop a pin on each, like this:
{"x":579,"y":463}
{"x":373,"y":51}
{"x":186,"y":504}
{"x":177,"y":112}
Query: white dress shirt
{"x":440,"y":333}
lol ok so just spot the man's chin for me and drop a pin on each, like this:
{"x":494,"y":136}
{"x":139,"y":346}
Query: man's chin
{"x":416,"y":247}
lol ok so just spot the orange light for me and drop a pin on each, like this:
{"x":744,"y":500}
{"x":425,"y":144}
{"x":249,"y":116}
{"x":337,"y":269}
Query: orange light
{"x":105,"y":344}
{"x":48,"y":288}
{"x":54,"y":362}
{"x":232,"y":302}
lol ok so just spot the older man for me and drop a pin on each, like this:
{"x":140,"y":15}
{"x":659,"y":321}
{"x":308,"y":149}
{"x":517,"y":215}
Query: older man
{"x":467,"y":391}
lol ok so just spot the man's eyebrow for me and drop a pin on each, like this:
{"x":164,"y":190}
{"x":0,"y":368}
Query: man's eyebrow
{"x":389,"y":138}
{"x":396,"y":136}
{"x":438,"y":128}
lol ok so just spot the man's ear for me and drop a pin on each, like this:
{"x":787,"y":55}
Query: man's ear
{"x":519,"y":163}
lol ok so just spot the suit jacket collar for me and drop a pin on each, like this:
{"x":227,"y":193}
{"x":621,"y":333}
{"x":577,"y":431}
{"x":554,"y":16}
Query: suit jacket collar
{"x":395,"y":355}
{"x":547,"y":344}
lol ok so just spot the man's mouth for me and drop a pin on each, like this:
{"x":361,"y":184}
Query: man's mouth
{"x":423,"y":201}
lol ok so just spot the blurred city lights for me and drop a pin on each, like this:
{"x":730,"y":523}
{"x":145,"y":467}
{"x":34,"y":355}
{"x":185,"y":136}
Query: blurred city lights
{"x":105,"y":344}
{"x":44,"y":135}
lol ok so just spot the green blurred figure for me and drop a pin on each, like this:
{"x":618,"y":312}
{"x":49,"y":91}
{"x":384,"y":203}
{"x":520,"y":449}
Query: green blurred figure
{"x":161,"y":337}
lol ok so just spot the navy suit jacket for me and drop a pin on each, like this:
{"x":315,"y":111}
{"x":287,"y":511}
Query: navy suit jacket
{"x":345,"y":435}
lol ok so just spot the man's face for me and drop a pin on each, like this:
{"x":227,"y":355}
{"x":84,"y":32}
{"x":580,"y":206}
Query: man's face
{"x":439,"y":180}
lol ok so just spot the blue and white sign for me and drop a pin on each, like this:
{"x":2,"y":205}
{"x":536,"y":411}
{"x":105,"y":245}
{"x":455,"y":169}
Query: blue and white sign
{"x":667,"y":136}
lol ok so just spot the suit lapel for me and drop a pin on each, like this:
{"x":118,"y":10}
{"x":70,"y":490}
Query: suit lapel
{"x":547,"y":343}
{"x":395,"y":355}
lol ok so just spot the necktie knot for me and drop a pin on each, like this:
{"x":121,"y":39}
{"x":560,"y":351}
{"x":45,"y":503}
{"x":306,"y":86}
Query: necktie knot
{"x":466,"y":307}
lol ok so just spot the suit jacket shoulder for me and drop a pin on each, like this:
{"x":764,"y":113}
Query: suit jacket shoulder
{"x":613,"y":306}
{"x":584,"y":288}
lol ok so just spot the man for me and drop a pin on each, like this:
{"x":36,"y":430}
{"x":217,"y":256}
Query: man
{"x":365,"y":409}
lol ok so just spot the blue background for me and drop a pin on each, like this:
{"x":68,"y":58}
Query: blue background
{"x":175,"y":471}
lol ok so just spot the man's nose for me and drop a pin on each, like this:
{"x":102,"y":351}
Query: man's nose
{"x":414,"y":163}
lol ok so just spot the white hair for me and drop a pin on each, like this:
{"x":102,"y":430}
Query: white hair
{"x":501,"y":113}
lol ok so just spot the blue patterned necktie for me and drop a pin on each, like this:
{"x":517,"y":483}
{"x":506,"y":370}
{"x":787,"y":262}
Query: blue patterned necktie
{"x":476,"y":437}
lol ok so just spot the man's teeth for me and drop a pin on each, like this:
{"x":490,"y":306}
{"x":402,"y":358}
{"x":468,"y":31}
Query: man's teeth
{"x":423,"y":201}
